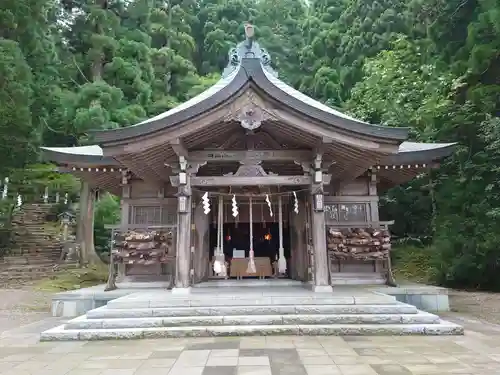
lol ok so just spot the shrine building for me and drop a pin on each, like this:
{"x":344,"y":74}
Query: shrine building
{"x":251,"y":178}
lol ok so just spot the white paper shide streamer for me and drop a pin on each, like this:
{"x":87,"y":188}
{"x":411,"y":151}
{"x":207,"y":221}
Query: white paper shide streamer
{"x":295,"y":203}
{"x":269,"y":205}
{"x":234,"y":206}
{"x":206,"y":203}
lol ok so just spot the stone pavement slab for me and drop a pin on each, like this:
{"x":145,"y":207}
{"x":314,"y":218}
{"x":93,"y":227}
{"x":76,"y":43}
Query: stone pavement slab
{"x":478,"y":352}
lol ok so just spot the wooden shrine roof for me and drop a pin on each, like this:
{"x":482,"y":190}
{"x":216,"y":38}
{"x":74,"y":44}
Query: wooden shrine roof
{"x":218,"y":119}
{"x":89,"y":163}
{"x":409,"y":153}
{"x":251,"y":72}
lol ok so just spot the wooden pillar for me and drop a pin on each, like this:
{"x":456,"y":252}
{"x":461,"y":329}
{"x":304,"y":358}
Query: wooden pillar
{"x":183,"y":259}
{"x":318,"y":234}
{"x":124,"y":226}
{"x":372,"y":191}
{"x":373,"y":211}
{"x":299,"y":246}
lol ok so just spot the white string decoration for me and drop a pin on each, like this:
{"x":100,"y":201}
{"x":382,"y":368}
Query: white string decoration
{"x":5,"y":188}
{"x":206,"y":203}
{"x":295,"y":203}
{"x":235,"y":206}
{"x":269,"y":205}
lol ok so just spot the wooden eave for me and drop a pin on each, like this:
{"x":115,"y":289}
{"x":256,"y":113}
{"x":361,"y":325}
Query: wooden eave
{"x":425,"y":155}
{"x":249,"y":73}
{"x":406,"y":165}
{"x":103,"y":173}
{"x":75,"y":156}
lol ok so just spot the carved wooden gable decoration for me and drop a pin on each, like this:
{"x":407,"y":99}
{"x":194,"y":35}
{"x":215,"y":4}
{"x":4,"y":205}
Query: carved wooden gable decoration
{"x":253,"y":169}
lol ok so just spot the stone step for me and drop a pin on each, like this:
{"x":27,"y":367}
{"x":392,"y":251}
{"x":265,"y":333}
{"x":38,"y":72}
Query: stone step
{"x":252,"y":320}
{"x":443,"y":328}
{"x":106,"y":313}
{"x":169,"y":300}
{"x":25,"y":276}
{"x":357,"y":278}
{"x":29,"y":268}
{"x":29,"y":260}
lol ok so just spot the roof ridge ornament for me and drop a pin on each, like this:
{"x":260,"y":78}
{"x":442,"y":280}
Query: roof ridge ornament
{"x":248,"y":49}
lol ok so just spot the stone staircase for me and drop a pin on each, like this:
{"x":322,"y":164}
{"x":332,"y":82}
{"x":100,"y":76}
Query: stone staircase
{"x":36,"y":247}
{"x":247,"y":311}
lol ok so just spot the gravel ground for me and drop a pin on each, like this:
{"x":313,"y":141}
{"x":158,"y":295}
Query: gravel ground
{"x":481,"y":305}
{"x":22,"y":306}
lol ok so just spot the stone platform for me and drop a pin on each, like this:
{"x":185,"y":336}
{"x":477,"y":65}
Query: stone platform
{"x":77,"y":302}
{"x":268,"y":308}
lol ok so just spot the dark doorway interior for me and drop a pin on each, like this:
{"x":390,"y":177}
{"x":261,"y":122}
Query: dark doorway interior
{"x":265,"y":239}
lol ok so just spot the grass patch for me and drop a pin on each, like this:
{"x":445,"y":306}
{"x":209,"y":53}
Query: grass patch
{"x":414,"y":264}
{"x":74,"y":279}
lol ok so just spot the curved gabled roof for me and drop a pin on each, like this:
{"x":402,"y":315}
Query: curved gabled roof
{"x":78,"y":155}
{"x":416,"y":152}
{"x":250,"y":65}
{"x":409,"y":153}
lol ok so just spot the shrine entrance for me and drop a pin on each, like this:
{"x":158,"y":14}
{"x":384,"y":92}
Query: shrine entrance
{"x":249,"y":243}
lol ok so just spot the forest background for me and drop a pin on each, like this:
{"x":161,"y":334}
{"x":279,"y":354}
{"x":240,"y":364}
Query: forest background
{"x":68,"y":66}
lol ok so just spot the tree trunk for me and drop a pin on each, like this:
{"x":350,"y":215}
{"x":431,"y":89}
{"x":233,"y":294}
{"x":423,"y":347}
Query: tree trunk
{"x":85,"y":230}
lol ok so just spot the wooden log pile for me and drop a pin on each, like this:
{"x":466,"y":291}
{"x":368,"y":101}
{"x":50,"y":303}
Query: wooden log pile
{"x":358,"y":243}
{"x":146,"y":248}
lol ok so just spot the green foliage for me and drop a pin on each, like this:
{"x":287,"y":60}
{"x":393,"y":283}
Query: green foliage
{"x":6,"y":207}
{"x":32,"y":180}
{"x":71,"y":66}
{"x":107,"y":212}
{"x":74,"y":279}
{"x":414,"y":263}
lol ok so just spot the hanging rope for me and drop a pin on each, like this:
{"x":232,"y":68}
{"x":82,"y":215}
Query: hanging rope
{"x":221,"y":234}
{"x":219,"y":264}
{"x":251,"y":262}
{"x":281,"y":260}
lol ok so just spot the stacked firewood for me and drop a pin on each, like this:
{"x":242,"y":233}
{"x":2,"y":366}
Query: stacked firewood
{"x":149,"y":247}
{"x":358,"y":243}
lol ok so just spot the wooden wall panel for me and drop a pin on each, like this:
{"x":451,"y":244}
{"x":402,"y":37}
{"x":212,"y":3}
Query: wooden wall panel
{"x":356,"y":187}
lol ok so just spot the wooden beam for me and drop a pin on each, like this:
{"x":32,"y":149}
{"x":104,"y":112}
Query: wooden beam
{"x":268,"y":138}
{"x":179,"y":147}
{"x":251,"y":181}
{"x":261,"y":155}
{"x":234,"y":137}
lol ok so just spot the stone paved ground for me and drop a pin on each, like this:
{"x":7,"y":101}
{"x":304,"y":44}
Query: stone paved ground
{"x":24,"y":314}
{"x":478,"y":352}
